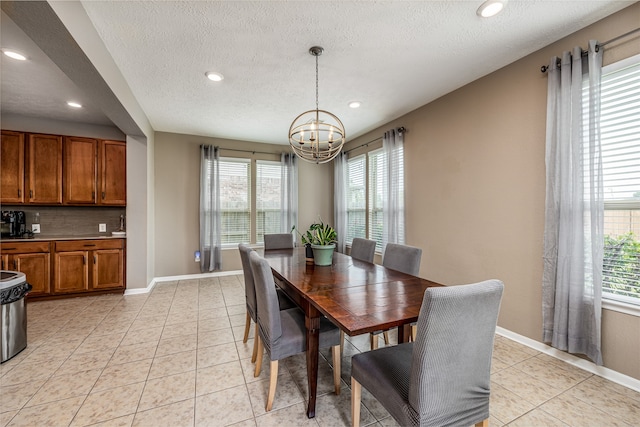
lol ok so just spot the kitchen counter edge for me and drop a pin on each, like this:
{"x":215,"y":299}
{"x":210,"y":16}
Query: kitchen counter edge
{"x":54,"y":237}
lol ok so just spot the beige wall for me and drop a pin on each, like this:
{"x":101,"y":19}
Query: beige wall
{"x":177,"y":171}
{"x":475,"y":186}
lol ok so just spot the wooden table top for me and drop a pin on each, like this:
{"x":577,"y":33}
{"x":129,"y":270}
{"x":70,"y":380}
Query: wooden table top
{"x":356,"y":296}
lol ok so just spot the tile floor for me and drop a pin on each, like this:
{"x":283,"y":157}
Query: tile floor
{"x":154,"y":360}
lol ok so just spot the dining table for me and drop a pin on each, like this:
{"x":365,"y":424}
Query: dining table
{"x":357,"y":296}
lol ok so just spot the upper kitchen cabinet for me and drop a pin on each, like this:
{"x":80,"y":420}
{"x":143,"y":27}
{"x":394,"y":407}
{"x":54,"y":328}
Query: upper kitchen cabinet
{"x":113,"y":173}
{"x":12,"y":167}
{"x":44,"y":169}
{"x":80,"y":170}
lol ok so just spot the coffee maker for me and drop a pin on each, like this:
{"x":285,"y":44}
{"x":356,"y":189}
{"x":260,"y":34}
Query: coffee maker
{"x":13,"y":223}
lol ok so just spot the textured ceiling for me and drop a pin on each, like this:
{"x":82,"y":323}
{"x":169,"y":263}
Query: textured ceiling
{"x":393,"y":56}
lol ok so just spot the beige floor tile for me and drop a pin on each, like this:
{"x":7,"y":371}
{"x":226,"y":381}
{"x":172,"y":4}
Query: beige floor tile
{"x":27,"y":373}
{"x":238,"y":319}
{"x":325,"y":379}
{"x":216,"y":337}
{"x":59,"y":413}
{"x":291,"y":415}
{"x":610,"y":402}
{"x":65,"y":386}
{"x":213,"y":323}
{"x":181,"y":317}
{"x":216,"y":355}
{"x":611,"y":387}
{"x":578,"y":413}
{"x":85,"y":362}
{"x":506,"y":406}
{"x":332,"y":410}
{"x":560,"y":376}
{"x":142,"y":335}
{"x":108,"y":404}
{"x":125,"y":421}
{"x":173,"y":364}
{"x":132,"y":353}
{"x":391,"y":422}
{"x":372,"y":404}
{"x":97,"y":342}
{"x":219,"y":377}
{"x":223,"y":407}
{"x":233,"y":310}
{"x":179,"y":414}
{"x":179,"y":329}
{"x":5,"y":417}
{"x":509,"y":354}
{"x":177,"y":344}
{"x":123,"y":374}
{"x":287,"y":394}
{"x":153,"y":321}
{"x":537,"y":417}
{"x":524,"y":385}
{"x":13,"y":397}
{"x":170,"y":389}
{"x":245,"y":350}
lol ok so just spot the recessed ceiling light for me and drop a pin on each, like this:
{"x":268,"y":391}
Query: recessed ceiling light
{"x":491,"y":8}
{"x":74,"y":104}
{"x":354,"y":104}
{"x":216,"y":77}
{"x":13,"y":54}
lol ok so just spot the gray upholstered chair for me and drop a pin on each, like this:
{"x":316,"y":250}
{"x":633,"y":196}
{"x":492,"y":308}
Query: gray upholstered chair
{"x":278,"y":241}
{"x":441,"y":379}
{"x":405,"y":259}
{"x":363,"y":249}
{"x":282,"y":333}
{"x":250,"y":298}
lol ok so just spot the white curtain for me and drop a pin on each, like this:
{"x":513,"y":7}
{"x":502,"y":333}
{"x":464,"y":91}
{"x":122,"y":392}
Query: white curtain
{"x":340,"y":199}
{"x":289,"y":194}
{"x":573,"y":235}
{"x":393,"y":182}
{"x":210,"y":222}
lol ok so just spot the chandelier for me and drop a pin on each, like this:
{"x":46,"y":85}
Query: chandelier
{"x":316,"y":136}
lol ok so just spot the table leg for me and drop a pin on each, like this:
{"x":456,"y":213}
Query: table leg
{"x":404,"y":331}
{"x":312,"y":322}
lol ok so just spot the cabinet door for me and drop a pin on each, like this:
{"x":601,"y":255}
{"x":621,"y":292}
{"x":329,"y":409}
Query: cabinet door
{"x":108,"y":269}
{"x":12,"y":167}
{"x":45,"y":169}
{"x":113,"y":173}
{"x":36,"y":269}
{"x":80,"y":170}
{"x":71,"y":272}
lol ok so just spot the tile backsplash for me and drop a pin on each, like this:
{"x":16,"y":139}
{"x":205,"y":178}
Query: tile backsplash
{"x":71,"y":220}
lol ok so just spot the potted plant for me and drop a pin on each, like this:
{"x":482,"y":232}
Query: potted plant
{"x":321,"y":238}
{"x":306,"y":240}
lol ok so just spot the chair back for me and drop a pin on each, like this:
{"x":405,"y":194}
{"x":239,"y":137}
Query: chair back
{"x":363,"y":249}
{"x":249,"y":285}
{"x":269,"y":323}
{"x":451,"y":360}
{"x":278,"y":241}
{"x":403,"y":258}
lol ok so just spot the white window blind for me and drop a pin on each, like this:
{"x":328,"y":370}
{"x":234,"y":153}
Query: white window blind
{"x":377,"y":165}
{"x":268,"y":198}
{"x":235,"y":200}
{"x":620,"y":137}
{"x":356,"y":198}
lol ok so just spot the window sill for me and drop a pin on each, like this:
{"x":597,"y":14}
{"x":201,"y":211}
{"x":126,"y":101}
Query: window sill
{"x":621,"y":307}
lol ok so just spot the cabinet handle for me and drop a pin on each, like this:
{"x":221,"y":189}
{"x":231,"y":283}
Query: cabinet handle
{"x":84,"y":260}
{"x":31,"y":194}
{"x":94,"y":259}
{"x":9,"y":249}
{"x":19,"y":193}
{"x":3,"y":264}
{"x":103,"y":195}
{"x":93,"y":194}
{"x":15,"y":264}
{"x":89,"y":245}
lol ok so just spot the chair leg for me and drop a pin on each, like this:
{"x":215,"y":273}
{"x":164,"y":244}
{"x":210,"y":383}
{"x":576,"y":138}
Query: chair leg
{"x":483,"y":423}
{"x":256,"y":373}
{"x":356,"y":394}
{"x":247,"y":328}
{"x":386,"y":337}
{"x":414,"y":332}
{"x":341,"y":342}
{"x":273,"y":382}
{"x":374,"y":341}
{"x":256,"y":340}
{"x":336,"y":353}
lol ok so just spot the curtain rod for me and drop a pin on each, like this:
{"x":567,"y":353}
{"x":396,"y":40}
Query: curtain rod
{"x":401,"y":129}
{"x":544,"y":68}
{"x":245,"y":151}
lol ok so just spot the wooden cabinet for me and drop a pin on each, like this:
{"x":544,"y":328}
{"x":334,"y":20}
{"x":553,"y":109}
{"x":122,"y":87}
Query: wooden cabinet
{"x":113,"y":173}
{"x":12,"y":167}
{"x":32,"y":259}
{"x":87,"y":265}
{"x":44,"y":169}
{"x":80,"y":170}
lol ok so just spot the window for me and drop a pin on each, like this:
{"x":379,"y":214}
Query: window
{"x":620,"y":136}
{"x":268,"y":198}
{"x":366,"y":192}
{"x":235,"y":200}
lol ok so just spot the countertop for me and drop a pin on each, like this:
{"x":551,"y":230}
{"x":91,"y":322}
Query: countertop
{"x":47,"y":237}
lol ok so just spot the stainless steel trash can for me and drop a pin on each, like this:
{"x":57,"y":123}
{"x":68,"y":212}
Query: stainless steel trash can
{"x":13,"y":313}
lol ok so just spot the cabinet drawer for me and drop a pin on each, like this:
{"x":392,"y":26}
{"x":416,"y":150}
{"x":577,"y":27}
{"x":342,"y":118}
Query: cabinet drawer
{"x":24,"y":247}
{"x":88,"y":245}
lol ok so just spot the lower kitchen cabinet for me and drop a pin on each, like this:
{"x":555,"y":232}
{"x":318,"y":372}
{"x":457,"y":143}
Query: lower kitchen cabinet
{"x":88,"y":265}
{"x":32,"y":259}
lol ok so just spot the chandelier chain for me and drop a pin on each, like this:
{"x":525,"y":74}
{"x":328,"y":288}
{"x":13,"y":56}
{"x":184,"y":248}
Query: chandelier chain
{"x":316,"y":82}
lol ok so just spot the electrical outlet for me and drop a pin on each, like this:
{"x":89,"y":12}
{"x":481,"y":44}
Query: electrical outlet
{"x":196,"y":256}
{"x":35,"y":228}
{"x":102,"y":228}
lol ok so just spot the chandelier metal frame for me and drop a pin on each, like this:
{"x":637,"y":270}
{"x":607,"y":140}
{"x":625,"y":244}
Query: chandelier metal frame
{"x":317,"y":136}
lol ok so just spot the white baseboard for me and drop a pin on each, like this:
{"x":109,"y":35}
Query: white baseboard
{"x":588,"y":366}
{"x":155,"y":280}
